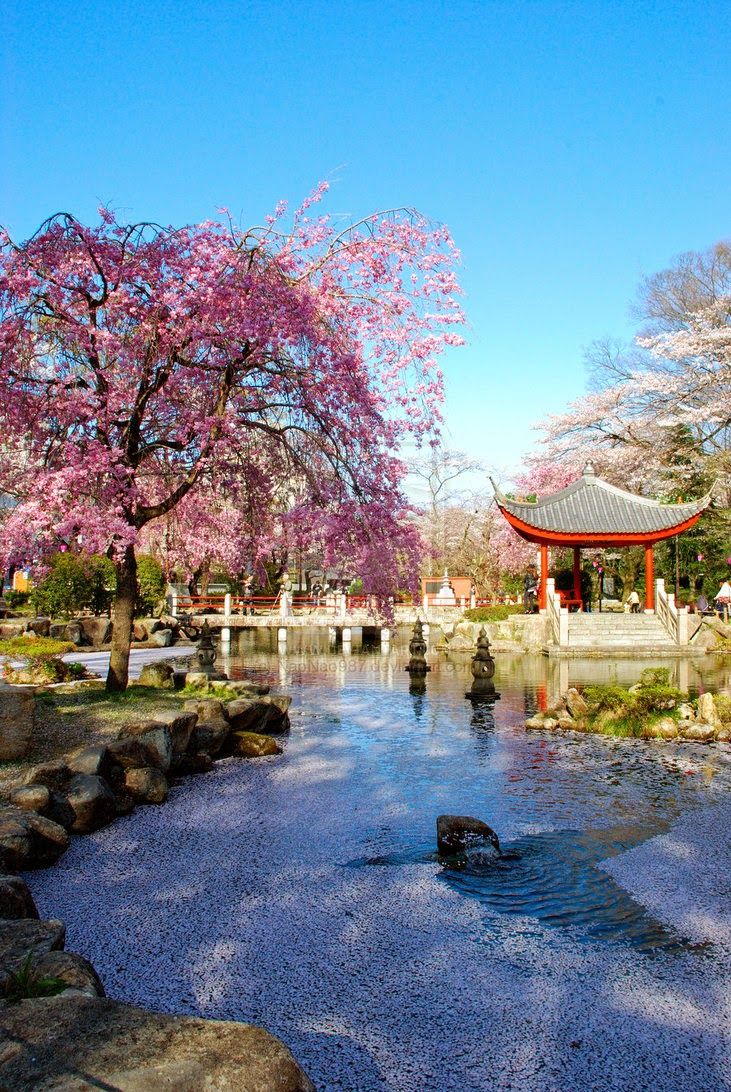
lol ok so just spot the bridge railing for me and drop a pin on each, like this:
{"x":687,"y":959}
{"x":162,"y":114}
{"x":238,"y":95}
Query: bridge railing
{"x":673,"y":618}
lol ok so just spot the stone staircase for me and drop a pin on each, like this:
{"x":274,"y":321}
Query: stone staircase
{"x":641,"y":634}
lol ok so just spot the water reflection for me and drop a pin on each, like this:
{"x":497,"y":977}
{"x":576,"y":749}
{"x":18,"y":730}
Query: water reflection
{"x":407,"y":753}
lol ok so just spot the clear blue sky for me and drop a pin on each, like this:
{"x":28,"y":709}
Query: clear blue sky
{"x":570,"y":147}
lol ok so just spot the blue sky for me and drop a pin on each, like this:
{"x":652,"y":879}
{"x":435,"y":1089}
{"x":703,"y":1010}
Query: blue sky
{"x":571,"y":147}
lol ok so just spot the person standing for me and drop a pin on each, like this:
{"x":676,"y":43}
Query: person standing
{"x":634,"y":601}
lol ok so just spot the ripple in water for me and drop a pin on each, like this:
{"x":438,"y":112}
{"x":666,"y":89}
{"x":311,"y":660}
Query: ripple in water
{"x":553,"y":877}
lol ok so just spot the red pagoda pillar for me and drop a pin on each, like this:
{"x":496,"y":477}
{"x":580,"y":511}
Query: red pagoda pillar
{"x":649,"y":577}
{"x":577,"y":574}
{"x":544,"y":577}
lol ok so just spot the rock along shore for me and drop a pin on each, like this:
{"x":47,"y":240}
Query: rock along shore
{"x":57,"y":1029}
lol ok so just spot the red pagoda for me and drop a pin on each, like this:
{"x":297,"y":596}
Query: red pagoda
{"x":591,"y":513}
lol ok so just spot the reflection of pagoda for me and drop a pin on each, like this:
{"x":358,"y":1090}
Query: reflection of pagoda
{"x":590,"y":513}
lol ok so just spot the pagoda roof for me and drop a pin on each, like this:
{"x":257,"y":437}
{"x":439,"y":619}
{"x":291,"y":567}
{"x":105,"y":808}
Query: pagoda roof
{"x":592,"y":510}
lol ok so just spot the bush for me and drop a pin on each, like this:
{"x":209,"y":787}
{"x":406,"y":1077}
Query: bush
{"x":41,"y":657}
{"x":150,"y":585}
{"x":497,"y":613}
{"x":601,"y":699}
{"x":76,"y":582}
{"x":15,"y":599}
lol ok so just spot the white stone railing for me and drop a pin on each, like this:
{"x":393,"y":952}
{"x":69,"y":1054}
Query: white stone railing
{"x":673,"y":618}
{"x":558,"y":616}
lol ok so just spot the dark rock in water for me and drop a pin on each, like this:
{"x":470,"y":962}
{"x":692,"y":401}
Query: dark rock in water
{"x":456,"y":834}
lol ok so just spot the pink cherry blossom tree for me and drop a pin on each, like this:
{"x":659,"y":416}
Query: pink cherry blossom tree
{"x":211,"y":371}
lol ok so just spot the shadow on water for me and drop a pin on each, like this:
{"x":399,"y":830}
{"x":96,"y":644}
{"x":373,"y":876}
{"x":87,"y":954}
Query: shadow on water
{"x":553,"y":878}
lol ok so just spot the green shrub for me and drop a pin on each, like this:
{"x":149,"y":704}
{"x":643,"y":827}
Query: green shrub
{"x":150,"y":585}
{"x":33,"y":648}
{"x":607,"y":698}
{"x":15,"y":599}
{"x":498,"y":613}
{"x":76,"y":582}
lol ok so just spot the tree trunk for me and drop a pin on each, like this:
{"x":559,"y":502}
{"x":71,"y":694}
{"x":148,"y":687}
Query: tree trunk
{"x":124,"y":612}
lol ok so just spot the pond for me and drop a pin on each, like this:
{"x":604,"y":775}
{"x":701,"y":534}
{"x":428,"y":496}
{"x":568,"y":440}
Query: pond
{"x":303,"y":892}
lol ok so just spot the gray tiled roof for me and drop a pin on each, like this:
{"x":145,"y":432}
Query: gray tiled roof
{"x":592,"y":506}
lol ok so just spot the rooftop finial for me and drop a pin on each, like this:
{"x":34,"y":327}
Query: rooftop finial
{"x":589,"y":470}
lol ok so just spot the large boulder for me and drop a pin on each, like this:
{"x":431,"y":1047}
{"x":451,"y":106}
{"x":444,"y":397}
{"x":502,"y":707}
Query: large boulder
{"x":28,"y":840}
{"x":146,"y":785}
{"x":664,"y":728}
{"x":707,"y":710}
{"x":180,"y":725}
{"x":456,"y":834}
{"x":162,"y":638}
{"x":94,"y":759}
{"x":207,"y":709}
{"x":128,"y":752}
{"x":209,"y":737}
{"x":17,"y":721}
{"x":73,"y":632}
{"x":698,"y":733}
{"x":40,"y":626}
{"x":139,"y":631}
{"x":16,"y":900}
{"x":156,"y":741}
{"x":576,"y":704}
{"x":185,"y":765}
{"x":92,"y":802}
{"x":77,"y":1043}
{"x":69,"y":968}
{"x":31,"y":798}
{"x":23,"y":939}
{"x":254,"y":745}
{"x":159,"y":675}
{"x":12,"y":629}
{"x":96,"y":631}
{"x":262,"y":714}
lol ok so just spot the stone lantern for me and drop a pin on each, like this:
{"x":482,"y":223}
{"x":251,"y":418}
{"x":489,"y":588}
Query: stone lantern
{"x":205,"y":652}
{"x":417,"y":665}
{"x":483,"y":669}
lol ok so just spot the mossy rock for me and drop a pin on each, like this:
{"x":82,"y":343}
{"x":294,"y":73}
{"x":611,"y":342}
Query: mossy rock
{"x":254,"y":745}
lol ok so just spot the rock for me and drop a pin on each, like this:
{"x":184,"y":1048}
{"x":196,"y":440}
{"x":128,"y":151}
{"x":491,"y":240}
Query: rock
{"x":54,"y":775}
{"x":698,"y":733}
{"x":128,"y":752}
{"x":187,"y":765}
{"x":207,"y":709}
{"x":685,"y":711}
{"x":459,"y":643}
{"x":96,"y":631}
{"x":163,"y":638}
{"x":258,"y":714}
{"x":16,"y":900}
{"x":180,"y":725}
{"x":723,"y":734}
{"x":73,"y":969}
{"x":664,"y":728}
{"x":535,"y":722}
{"x":254,"y":745}
{"x":576,"y":704}
{"x":196,"y":679}
{"x":92,"y":802}
{"x":31,"y":798}
{"x":156,"y":741}
{"x":707,"y":710}
{"x":28,"y":840}
{"x":94,"y":759}
{"x":139,"y":631}
{"x":209,"y":737}
{"x":17,"y":720}
{"x":244,"y":687}
{"x":73,"y":632}
{"x":146,"y":785}
{"x":549,"y":723}
{"x":24,"y":936}
{"x":40,"y":626}
{"x":12,"y":629}
{"x":567,"y":723}
{"x":159,"y":675}
{"x":458,"y":833}
{"x":76,"y":1043}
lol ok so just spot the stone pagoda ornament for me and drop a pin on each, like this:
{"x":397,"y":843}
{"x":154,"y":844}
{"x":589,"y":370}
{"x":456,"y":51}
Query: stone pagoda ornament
{"x":205,"y":652}
{"x":483,"y":669}
{"x":417,"y":664}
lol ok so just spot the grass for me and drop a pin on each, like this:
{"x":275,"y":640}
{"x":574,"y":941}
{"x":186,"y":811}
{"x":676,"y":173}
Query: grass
{"x":498,"y":613}
{"x":616,"y":711}
{"x":23,"y":984}
{"x":33,"y":648}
